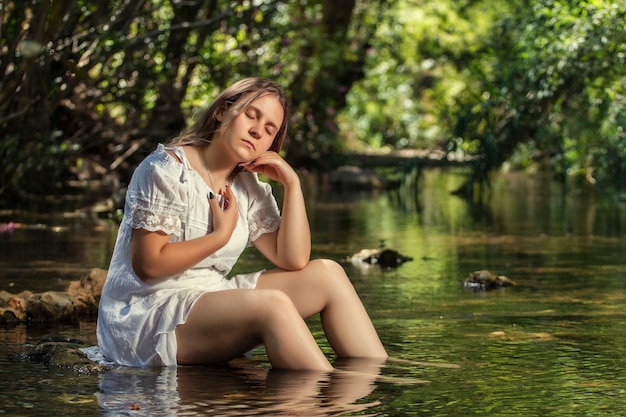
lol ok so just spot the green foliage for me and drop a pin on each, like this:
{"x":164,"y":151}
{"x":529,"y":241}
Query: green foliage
{"x":416,"y":70}
{"x":555,"y":80}
{"x":483,"y":78}
{"x":87,"y":87}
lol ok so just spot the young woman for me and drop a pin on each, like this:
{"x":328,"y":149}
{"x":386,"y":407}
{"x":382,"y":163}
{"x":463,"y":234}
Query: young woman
{"x":191,"y":208}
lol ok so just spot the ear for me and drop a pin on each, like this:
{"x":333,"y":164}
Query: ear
{"x":219,"y":114}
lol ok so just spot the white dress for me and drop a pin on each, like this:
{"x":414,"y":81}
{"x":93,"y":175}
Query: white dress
{"x":136,"y":320}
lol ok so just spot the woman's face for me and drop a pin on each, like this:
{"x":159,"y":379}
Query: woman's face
{"x":252,"y":132}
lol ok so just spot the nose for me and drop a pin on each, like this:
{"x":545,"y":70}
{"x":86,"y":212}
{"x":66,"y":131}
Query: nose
{"x":255,"y":131}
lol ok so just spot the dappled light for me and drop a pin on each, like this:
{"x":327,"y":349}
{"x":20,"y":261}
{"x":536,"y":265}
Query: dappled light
{"x":88,"y":88}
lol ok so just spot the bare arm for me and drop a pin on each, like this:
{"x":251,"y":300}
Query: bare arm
{"x":155,"y":258}
{"x":290,"y":246}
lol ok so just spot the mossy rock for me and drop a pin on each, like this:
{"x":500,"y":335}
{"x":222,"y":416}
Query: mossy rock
{"x":61,"y":353}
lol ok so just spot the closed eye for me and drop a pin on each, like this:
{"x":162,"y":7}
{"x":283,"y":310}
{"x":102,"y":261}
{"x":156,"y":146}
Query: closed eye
{"x":253,"y":113}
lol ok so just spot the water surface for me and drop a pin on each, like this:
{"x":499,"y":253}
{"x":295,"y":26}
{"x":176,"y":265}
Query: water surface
{"x":553,"y":345}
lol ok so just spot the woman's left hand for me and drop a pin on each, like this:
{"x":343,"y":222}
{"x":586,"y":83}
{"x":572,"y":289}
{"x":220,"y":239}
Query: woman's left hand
{"x":289,"y":247}
{"x":273,"y":166}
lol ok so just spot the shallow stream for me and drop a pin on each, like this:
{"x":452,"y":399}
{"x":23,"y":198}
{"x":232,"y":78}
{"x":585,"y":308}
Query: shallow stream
{"x":553,"y":345}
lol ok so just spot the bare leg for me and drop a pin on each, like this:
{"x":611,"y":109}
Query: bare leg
{"x":323,"y":287}
{"x":225,"y":324}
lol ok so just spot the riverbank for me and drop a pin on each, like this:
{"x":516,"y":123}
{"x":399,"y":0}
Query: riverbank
{"x":80,"y":300}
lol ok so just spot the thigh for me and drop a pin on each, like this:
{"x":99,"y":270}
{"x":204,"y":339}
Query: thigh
{"x":221,"y":325}
{"x":312,"y":288}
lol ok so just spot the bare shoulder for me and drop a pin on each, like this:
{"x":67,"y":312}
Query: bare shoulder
{"x":173,"y":155}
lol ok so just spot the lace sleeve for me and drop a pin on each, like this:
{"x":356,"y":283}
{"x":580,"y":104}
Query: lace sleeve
{"x":144,"y":219}
{"x":156,"y":195}
{"x":265,"y":220}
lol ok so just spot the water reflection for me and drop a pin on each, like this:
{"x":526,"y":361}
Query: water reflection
{"x":243,"y":388}
{"x":553,"y":345}
{"x":45,"y":251}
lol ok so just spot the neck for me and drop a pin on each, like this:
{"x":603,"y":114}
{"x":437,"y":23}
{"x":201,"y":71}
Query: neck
{"x":215,"y":163}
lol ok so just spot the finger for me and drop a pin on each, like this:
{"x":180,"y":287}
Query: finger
{"x":229,"y":197}
{"x":213,"y":200}
{"x":260,"y":160}
{"x":246,"y":164}
{"x":228,"y":192}
{"x":261,"y":163}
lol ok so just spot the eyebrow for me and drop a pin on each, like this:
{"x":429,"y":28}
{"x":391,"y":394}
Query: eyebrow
{"x":258,"y":111}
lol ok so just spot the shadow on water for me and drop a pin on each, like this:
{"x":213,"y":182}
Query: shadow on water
{"x":553,"y":345}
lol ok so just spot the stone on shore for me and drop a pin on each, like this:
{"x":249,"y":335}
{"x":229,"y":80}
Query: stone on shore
{"x":79,"y":300}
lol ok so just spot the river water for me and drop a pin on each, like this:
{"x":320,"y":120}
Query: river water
{"x":553,"y":345}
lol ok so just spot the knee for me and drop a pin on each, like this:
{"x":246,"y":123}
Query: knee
{"x":327,"y":265}
{"x":330,"y":270}
{"x":274,"y":304}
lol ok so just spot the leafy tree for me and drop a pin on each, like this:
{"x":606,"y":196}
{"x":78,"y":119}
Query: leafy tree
{"x":423,"y":58}
{"x":492,"y":80}
{"x":557,"y":83}
{"x":89,"y":87}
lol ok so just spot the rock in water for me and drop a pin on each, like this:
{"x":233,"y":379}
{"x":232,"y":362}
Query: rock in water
{"x":486,"y":280}
{"x":385,"y":258}
{"x":57,"y":351}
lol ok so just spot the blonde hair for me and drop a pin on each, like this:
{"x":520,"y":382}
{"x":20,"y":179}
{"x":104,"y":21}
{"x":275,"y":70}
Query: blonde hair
{"x":236,"y":97}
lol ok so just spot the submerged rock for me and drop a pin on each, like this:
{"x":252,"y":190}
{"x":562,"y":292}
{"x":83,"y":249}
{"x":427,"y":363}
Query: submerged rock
{"x":385,"y":258}
{"x":81,"y":299}
{"x":486,"y":280}
{"x":61,"y":352}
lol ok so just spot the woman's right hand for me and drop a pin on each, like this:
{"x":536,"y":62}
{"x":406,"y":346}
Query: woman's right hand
{"x":155,"y":258}
{"x":225,"y":213}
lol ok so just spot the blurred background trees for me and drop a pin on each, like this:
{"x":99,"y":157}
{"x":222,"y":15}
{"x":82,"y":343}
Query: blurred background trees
{"x":88,"y":88}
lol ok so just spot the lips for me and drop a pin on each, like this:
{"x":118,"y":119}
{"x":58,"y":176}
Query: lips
{"x":249,"y":144}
